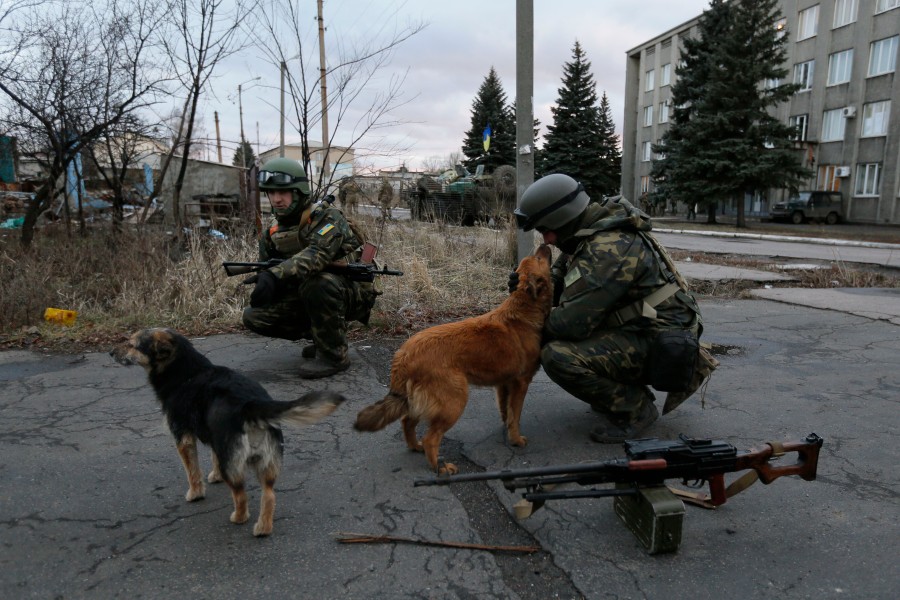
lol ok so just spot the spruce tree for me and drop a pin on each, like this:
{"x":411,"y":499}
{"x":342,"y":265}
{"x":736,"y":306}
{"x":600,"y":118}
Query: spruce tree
{"x":582,"y":142}
{"x":243,"y":155}
{"x":723,"y":142}
{"x":490,"y":108}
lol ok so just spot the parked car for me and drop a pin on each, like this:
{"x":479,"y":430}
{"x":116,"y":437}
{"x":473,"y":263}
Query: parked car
{"x":810,"y":206}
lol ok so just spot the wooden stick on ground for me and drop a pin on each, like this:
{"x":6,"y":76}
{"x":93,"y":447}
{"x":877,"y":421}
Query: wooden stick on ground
{"x":362,"y":538}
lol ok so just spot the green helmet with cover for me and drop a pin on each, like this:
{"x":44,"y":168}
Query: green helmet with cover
{"x":285,"y":174}
{"x":551,"y":202}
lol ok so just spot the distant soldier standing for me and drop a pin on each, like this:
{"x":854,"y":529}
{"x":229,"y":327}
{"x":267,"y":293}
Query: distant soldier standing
{"x":624,"y":319}
{"x":385,"y":198}
{"x":297,"y":299}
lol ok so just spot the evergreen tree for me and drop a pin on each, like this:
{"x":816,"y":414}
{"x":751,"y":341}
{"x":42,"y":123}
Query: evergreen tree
{"x":243,"y":155}
{"x":490,"y":108}
{"x":582,"y":142}
{"x":723,"y":142}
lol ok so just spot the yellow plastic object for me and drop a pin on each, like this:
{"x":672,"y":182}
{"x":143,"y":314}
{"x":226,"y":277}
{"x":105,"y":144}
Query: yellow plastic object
{"x":60,"y":315}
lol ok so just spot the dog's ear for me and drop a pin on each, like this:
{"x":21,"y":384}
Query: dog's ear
{"x":162,"y":348}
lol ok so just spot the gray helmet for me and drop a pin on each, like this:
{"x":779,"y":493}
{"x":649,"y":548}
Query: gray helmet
{"x":551,"y":202}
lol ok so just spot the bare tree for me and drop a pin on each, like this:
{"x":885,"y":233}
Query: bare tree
{"x":69,"y":72}
{"x":360,"y":108}
{"x":206,"y":34}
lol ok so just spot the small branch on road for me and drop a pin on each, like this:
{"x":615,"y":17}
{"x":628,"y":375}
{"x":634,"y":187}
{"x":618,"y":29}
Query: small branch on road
{"x":362,"y":538}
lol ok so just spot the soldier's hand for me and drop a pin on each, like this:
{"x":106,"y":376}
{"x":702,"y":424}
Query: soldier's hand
{"x":513,"y":282}
{"x":252,"y":279}
{"x":264,"y":292}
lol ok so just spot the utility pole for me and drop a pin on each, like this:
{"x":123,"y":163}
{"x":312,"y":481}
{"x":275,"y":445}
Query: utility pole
{"x":283,"y":69}
{"x":524,"y":112}
{"x":326,"y":145}
{"x":218,"y":137}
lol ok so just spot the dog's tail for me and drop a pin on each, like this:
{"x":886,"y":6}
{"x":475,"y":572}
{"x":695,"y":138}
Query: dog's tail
{"x":384,"y":412}
{"x":305,"y":410}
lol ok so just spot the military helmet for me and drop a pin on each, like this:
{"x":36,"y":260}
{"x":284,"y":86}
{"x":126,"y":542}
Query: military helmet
{"x":281,"y":174}
{"x":551,"y":202}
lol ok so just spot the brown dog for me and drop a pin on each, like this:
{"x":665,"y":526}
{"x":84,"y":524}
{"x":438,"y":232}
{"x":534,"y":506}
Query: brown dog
{"x":432,"y":370}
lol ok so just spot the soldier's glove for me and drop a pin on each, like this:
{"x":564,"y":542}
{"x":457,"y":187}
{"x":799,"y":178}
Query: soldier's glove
{"x":513,"y":281}
{"x":265,"y":290}
{"x":252,"y":279}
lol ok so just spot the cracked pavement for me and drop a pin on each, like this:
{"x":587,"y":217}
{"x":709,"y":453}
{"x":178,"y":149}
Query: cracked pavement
{"x":93,"y":496}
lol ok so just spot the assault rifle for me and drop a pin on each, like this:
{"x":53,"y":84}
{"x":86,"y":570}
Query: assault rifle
{"x":354,"y":271}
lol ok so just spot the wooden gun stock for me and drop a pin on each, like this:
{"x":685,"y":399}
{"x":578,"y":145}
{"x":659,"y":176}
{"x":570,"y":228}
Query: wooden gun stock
{"x":807,"y":459}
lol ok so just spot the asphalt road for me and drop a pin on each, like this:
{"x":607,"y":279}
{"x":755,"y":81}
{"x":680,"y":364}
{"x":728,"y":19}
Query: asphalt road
{"x":93,"y":506}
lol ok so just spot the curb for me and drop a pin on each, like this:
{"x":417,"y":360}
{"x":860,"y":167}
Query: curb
{"x":780,"y":238}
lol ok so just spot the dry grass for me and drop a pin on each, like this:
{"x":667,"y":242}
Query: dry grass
{"x":124,"y":282}
{"x":127,"y":281}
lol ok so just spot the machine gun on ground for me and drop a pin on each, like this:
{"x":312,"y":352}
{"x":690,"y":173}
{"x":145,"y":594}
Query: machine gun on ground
{"x":649,"y":509}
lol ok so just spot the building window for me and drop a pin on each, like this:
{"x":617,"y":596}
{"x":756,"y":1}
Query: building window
{"x":645,"y":151}
{"x":803,"y":75}
{"x":648,"y":116}
{"x":883,"y":5}
{"x":832,"y":126}
{"x":868,"y":179}
{"x":771,"y":84}
{"x":875,"y":118}
{"x":660,"y":153}
{"x":800,"y":123}
{"x":844,"y":12}
{"x":664,"y":112}
{"x":808,"y":24}
{"x":645,"y":184}
{"x":840,"y":67}
{"x":883,"y":56}
{"x":665,"y":75}
{"x":828,"y":180}
{"x":648,"y":80}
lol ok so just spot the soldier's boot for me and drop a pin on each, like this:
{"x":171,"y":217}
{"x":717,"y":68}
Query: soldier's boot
{"x":320,"y":367}
{"x":614,"y":429}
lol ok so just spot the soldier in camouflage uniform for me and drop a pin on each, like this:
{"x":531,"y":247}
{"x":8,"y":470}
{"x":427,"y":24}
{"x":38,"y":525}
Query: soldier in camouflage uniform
{"x":615,"y":293}
{"x":297,"y":299}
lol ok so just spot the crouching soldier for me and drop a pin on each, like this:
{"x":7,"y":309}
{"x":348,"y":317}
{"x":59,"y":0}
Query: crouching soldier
{"x":297,"y":299}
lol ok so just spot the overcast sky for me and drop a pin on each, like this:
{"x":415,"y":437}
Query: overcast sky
{"x":446,"y":63}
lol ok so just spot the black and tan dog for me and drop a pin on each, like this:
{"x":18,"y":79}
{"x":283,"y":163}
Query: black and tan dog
{"x":231,"y":413}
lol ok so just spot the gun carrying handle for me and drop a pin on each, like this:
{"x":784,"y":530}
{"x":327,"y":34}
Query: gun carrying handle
{"x":806,"y":465}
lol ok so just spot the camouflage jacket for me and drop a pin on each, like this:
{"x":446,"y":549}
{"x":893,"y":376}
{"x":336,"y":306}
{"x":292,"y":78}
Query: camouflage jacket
{"x":308,"y":247}
{"x":611,"y":266}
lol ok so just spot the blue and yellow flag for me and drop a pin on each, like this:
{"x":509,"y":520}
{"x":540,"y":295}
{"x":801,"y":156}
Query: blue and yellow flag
{"x":487,"y":137}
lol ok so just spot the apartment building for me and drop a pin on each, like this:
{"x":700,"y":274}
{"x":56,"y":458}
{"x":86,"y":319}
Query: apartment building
{"x":844,"y":54}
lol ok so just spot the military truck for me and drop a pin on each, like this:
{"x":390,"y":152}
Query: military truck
{"x":464,"y":198}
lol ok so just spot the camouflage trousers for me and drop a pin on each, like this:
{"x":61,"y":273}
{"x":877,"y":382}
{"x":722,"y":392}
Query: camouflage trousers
{"x":605,"y":370}
{"x":318,"y":310}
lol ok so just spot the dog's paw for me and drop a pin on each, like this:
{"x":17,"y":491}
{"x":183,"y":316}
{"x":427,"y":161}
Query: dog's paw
{"x":262,"y":529}
{"x":521,"y":441}
{"x":195,"y":494}
{"x":238,"y":519}
{"x":214,"y":476}
{"x":448,"y":469}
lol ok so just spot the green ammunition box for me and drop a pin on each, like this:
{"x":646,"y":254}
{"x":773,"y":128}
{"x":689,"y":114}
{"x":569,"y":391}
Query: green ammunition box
{"x":654,"y":515}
